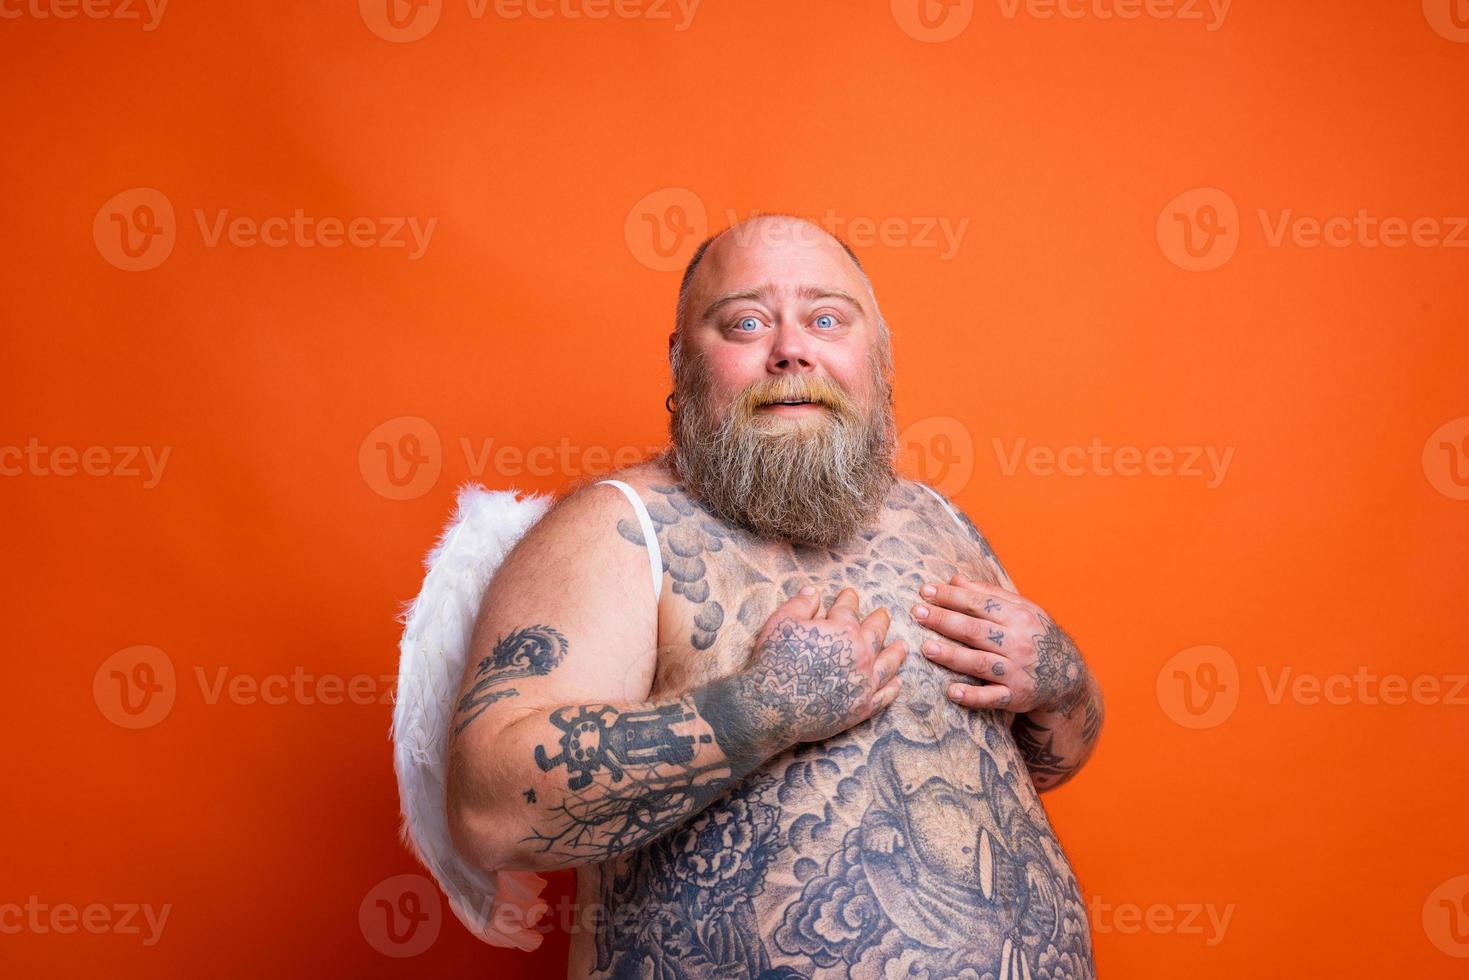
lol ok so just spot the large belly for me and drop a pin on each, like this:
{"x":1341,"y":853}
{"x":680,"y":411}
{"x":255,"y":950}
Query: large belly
{"x":882,"y":852}
{"x":910,"y":845}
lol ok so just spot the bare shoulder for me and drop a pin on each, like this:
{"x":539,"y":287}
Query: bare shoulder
{"x":583,"y":559}
{"x":945,"y":512}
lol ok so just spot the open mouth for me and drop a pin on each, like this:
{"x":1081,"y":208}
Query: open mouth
{"x":791,"y":403}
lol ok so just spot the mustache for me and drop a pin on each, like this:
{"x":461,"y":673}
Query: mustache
{"x":815,"y":389}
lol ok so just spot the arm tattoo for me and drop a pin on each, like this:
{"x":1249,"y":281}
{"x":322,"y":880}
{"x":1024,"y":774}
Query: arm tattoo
{"x":1050,"y":765}
{"x":603,"y":737}
{"x":1037,"y":746}
{"x":1058,"y":672}
{"x":804,"y":680}
{"x":530,"y":652}
{"x":636,"y":772}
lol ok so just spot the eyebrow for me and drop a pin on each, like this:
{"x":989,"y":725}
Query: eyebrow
{"x":762,"y":293}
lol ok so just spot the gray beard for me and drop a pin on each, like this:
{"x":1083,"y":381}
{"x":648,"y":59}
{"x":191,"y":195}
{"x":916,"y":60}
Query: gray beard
{"x":807,"y":480}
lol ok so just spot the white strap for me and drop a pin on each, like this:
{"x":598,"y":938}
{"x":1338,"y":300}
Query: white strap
{"x":650,"y":540}
{"x":939,"y":497}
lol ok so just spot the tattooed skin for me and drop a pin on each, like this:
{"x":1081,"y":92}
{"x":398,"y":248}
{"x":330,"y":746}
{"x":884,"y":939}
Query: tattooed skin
{"x":529,"y":652}
{"x":910,"y":845}
{"x":810,"y":669}
{"x":1058,"y":667}
{"x":1037,"y":744}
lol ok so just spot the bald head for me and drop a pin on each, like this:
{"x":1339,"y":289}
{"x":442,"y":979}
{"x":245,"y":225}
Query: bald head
{"x":763,"y":230}
{"x":722,"y":268}
{"x":782,"y":381}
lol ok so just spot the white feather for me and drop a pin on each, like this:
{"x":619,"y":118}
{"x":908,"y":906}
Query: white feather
{"x":499,"y":908}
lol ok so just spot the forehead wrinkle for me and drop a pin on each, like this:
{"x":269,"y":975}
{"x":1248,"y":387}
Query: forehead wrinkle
{"x":768,"y":291}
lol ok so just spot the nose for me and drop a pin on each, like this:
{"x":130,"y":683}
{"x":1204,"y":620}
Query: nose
{"x":791,"y":350}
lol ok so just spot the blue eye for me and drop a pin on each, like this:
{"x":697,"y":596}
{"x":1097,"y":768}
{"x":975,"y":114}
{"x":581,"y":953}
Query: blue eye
{"x":831,"y":320}
{"x":752,"y":322}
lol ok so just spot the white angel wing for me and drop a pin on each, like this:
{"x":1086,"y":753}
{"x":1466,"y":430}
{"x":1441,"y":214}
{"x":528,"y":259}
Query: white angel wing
{"x":499,"y":908}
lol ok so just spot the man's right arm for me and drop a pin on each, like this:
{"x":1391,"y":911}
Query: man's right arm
{"x":557,"y":756}
{"x":581,"y":783}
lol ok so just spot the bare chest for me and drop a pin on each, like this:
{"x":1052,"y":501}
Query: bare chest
{"x":722,"y":585}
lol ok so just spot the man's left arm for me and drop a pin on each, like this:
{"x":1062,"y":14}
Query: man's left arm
{"x":1021,"y":661}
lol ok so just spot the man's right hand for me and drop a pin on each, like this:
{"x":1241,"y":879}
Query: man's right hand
{"x":814,"y":675}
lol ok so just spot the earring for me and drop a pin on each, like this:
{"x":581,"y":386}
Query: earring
{"x":668,"y":403}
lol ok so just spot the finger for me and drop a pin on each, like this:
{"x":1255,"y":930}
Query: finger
{"x":981,"y":696}
{"x":980,"y":634}
{"x":805,"y":604}
{"x":844,"y":607}
{"x":982,"y":605}
{"x":885,"y":695}
{"x":979,"y":584}
{"x":885,"y":667}
{"x":876,"y":626}
{"x":975,"y":663}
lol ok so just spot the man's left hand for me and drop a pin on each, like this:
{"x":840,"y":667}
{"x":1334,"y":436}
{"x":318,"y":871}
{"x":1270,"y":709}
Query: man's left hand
{"x":1024,"y":661}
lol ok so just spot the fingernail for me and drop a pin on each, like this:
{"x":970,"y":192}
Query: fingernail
{"x":931,"y":648}
{"x":808,"y":590}
{"x":956,"y":692}
{"x":928,"y":591}
{"x":920,"y":612}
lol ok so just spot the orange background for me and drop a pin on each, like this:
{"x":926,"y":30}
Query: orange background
{"x":538,"y":317}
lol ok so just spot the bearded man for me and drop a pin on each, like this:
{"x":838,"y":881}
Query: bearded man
{"x":814,"y":747}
